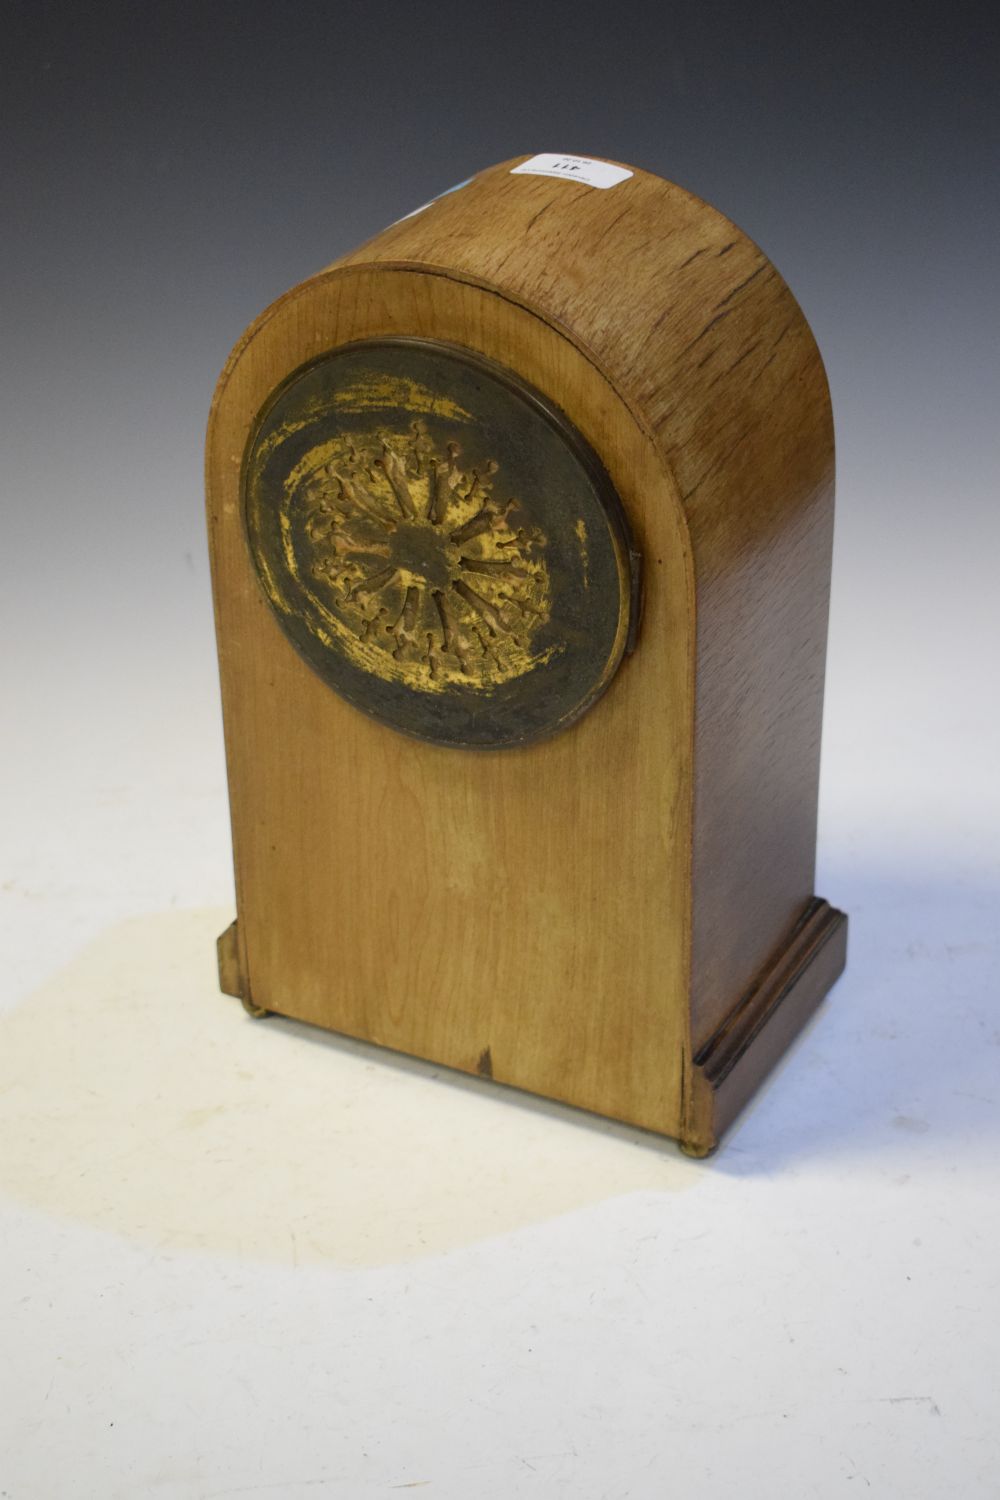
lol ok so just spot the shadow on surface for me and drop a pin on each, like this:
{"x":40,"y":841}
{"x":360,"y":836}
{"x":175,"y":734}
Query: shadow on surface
{"x":905,"y":1051}
{"x":134,"y":1096}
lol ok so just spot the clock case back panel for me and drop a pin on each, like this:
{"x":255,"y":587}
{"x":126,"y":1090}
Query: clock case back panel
{"x":621,"y":916}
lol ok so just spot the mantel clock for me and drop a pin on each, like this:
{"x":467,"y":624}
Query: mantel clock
{"x":520,"y":521}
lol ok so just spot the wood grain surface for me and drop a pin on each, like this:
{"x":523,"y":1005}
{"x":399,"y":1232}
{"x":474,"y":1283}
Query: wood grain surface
{"x":578,"y":918}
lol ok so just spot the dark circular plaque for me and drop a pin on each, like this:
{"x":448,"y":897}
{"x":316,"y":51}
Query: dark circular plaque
{"x":439,"y":543}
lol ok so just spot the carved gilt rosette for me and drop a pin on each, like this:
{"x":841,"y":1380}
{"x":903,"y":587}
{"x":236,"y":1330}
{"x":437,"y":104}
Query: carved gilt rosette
{"x":439,"y":544}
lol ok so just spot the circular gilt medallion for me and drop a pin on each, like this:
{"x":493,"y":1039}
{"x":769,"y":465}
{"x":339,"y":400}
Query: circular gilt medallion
{"x":439,"y":543}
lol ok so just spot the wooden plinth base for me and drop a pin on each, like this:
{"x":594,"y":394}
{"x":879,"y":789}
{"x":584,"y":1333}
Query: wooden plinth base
{"x":733,"y":1063}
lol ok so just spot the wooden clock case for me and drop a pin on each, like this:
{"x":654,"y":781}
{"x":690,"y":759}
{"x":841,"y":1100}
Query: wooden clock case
{"x":621,"y":915}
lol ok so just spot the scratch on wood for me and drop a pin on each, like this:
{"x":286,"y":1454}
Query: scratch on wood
{"x":720,"y":463}
{"x":616,"y":220}
{"x":708,"y":327}
{"x":746,"y":282}
{"x":738,"y":361}
{"x":666,"y":311}
{"x":774,"y":349}
{"x":536,"y":216}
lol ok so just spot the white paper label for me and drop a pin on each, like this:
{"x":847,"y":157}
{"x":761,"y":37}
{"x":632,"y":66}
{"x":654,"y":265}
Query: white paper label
{"x":599,"y":174}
